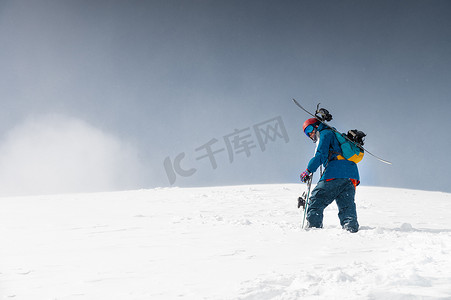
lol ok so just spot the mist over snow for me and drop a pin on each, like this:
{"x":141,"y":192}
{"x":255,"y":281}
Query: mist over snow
{"x":53,"y":153}
{"x":173,"y":75}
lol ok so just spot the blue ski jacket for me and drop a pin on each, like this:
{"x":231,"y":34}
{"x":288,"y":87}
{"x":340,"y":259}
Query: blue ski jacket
{"x":326,"y":152}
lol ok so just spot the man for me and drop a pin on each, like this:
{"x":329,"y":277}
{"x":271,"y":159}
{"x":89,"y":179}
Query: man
{"x":338,"y":181}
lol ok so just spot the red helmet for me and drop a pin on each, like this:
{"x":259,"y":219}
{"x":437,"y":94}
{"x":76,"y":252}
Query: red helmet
{"x":308,"y":122}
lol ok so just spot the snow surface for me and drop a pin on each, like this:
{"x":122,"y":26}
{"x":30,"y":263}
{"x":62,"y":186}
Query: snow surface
{"x":239,"y":242}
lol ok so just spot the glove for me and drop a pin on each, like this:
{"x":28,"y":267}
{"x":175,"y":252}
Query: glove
{"x":305,"y":176}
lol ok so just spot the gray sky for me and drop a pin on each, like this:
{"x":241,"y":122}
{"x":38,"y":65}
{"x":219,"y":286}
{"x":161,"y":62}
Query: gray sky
{"x":98,"y":95}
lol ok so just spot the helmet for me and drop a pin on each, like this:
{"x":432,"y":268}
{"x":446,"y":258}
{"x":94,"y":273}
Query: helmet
{"x":312,"y":121}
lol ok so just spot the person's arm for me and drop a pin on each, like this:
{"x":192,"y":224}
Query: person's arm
{"x":321,"y":154}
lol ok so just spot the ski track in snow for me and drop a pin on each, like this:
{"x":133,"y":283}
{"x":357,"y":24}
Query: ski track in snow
{"x":239,"y":242}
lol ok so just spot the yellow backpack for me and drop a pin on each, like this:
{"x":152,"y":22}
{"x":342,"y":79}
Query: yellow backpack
{"x":349,"y":145}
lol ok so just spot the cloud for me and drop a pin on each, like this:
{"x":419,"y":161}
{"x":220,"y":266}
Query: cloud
{"x":58,"y":154}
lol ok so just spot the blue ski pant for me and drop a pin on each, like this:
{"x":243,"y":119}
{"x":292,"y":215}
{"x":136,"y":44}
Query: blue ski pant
{"x":341,"y":190}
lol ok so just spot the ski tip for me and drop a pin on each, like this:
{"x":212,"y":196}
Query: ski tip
{"x":381,"y":160}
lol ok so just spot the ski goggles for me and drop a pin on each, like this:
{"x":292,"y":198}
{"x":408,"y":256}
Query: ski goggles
{"x":308,"y":130}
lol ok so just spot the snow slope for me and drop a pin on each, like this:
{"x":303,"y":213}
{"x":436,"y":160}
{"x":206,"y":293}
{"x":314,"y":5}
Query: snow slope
{"x":239,"y":242}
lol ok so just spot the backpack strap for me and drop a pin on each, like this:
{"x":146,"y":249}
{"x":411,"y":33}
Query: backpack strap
{"x":329,"y":158}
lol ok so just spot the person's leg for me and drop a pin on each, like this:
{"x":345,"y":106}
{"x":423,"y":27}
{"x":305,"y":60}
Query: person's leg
{"x":347,"y":212}
{"x":322,"y":195}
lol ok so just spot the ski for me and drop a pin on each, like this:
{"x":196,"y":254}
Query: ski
{"x":333,"y":129}
{"x":304,"y":200}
